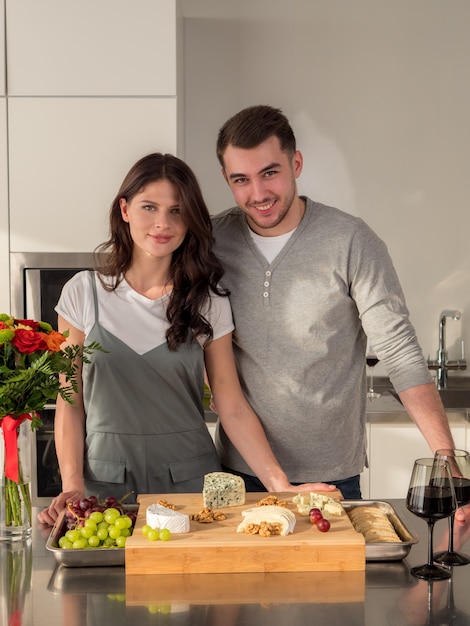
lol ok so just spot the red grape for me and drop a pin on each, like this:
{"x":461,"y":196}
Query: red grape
{"x":323,"y":525}
{"x":315,"y":515}
{"x":84,"y":504}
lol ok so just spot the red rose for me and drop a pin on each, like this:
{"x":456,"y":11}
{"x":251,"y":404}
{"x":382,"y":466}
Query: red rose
{"x":27,"y":341}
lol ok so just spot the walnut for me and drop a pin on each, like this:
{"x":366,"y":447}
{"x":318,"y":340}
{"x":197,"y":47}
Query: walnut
{"x":167,"y":504}
{"x":218,"y":516}
{"x":207,"y":515}
{"x":264,"y":529}
{"x":268,"y":529}
{"x":251,"y":529}
{"x":273,"y":500}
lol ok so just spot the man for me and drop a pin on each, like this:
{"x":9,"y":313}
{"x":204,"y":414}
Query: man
{"x":308,"y":285}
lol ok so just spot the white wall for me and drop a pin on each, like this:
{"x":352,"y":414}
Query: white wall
{"x":378,"y":94}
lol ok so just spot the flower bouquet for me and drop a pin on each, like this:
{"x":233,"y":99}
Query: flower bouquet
{"x":31,"y":360}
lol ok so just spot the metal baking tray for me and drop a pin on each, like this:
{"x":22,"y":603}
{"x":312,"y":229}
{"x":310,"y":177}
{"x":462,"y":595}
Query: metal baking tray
{"x":89,"y":557}
{"x":377,"y":551}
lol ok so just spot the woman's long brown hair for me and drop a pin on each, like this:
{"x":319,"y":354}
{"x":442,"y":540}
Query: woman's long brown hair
{"x":194,"y":270}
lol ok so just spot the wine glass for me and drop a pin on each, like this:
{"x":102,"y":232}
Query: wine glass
{"x":459,"y":461}
{"x":371,"y":360}
{"x":431,"y":496}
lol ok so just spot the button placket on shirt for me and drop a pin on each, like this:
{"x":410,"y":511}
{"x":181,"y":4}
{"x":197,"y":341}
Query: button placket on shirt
{"x":266,"y":284}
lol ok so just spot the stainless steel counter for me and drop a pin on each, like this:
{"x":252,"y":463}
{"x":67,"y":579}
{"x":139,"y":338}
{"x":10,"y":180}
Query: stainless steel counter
{"x":385,"y":594}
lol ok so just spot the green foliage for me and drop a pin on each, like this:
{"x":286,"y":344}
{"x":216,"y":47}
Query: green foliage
{"x":33,"y":367}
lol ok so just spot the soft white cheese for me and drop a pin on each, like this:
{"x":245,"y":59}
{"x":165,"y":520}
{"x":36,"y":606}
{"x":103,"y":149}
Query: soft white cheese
{"x":271,"y":514}
{"x":158,"y":516}
{"x":222,"y":489}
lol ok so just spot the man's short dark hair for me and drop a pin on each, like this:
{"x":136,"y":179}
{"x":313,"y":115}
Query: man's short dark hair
{"x":254,"y":125}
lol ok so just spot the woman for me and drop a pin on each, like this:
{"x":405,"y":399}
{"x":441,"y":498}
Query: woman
{"x":137,"y":423}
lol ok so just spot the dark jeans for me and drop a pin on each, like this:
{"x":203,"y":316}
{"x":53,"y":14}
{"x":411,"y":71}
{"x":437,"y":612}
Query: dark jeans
{"x":349,"y":487}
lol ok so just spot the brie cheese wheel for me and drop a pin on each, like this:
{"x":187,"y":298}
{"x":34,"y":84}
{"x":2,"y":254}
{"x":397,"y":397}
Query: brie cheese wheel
{"x":271,"y":514}
{"x":158,"y":516}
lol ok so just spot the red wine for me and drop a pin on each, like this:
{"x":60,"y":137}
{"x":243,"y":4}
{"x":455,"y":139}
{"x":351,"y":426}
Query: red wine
{"x":431,"y":503}
{"x":462,"y":490}
{"x":372,"y":361}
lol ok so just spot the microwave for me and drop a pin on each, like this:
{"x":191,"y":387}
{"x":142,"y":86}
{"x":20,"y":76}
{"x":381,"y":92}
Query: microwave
{"x":37,"y":279}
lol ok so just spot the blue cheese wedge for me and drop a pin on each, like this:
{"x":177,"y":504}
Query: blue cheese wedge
{"x":222,"y":489}
{"x":328,"y":506}
{"x":158,"y":516}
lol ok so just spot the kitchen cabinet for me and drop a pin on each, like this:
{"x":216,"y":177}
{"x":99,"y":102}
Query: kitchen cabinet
{"x":4,"y":239}
{"x":89,"y":48}
{"x":88,"y":93}
{"x":2,"y":48}
{"x":67,"y":158}
{"x":212,"y":427}
{"x":365,"y":476}
{"x":4,"y":242}
{"x":393,"y":447}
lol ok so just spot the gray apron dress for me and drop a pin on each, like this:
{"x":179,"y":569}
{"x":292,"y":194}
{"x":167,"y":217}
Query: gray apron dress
{"x":145,"y":428}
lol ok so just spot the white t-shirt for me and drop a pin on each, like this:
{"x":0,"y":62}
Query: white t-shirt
{"x":271,"y":246}
{"x":137,"y":321}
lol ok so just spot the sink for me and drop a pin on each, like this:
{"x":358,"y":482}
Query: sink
{"x":455,"y":398}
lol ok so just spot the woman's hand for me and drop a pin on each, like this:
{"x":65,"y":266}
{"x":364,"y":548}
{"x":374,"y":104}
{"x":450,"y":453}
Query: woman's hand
{"x":51,"y":513}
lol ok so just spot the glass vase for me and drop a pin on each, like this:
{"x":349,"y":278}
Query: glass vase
{"x":15,"y":495}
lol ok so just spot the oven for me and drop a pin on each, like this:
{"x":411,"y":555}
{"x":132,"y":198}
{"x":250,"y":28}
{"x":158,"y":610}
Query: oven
{"x":37,"y":279}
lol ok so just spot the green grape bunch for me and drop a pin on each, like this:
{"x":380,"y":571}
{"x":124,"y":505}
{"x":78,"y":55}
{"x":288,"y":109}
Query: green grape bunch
{"x":93,"y":523}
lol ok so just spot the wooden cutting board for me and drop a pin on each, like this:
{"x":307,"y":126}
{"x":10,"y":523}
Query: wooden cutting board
{"x":218,"y":548}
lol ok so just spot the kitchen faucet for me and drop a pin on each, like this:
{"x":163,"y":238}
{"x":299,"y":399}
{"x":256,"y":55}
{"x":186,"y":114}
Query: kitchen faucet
{"x":442,"y":364}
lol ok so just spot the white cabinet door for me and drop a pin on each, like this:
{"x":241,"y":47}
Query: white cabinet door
{"x":393,"y":449}
{"x":68,"y":157}
{"x":212,"y":427}
{"x":4,"y":241}
{"x":365,"y":476}
{"x":92,"y":48}
{"x":2,"y":47}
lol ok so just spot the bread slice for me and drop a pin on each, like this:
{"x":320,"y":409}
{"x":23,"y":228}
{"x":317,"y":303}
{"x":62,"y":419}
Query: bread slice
{"x":374,"y":524}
